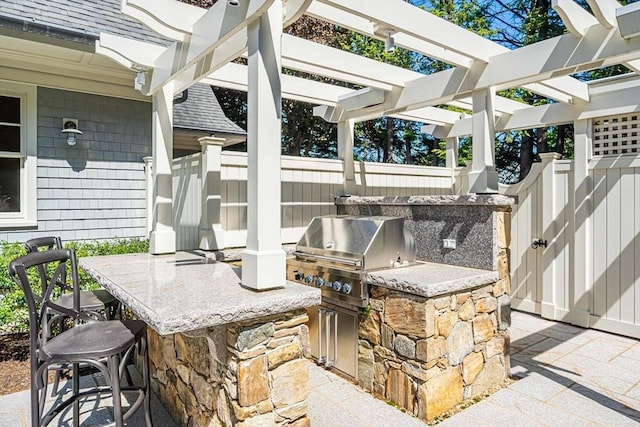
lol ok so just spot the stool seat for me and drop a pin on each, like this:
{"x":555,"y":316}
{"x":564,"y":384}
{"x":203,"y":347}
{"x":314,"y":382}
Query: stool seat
{"x":92,"y":340}
{"x":89,"y":300}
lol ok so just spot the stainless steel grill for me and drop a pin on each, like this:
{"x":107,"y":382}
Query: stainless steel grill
{"x":334,"y":253}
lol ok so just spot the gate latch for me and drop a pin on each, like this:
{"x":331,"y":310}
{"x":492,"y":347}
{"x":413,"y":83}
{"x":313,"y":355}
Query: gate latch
{"x":538,"y":243}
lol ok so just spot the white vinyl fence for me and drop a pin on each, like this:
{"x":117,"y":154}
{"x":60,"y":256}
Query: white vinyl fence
{"x":587,"y":211}
{"x":308,"y":189}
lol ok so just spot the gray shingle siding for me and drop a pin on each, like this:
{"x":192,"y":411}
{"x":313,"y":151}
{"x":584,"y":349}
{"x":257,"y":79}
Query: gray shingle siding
{"x":84,"y":16}
{"x":95,"y":189}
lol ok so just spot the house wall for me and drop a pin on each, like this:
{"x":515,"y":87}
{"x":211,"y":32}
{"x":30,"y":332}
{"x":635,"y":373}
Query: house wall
{"x":96,"y":188}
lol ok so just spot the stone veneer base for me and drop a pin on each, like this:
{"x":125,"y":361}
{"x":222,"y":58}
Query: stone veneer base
{"x":249,"y":373}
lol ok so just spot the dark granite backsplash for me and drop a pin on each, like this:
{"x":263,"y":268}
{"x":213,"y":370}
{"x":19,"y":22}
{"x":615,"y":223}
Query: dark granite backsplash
{"x":469,"y":220}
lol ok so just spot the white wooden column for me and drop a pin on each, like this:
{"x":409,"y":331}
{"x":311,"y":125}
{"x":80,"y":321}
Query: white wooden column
{"x":211,"y":233}
{"x":263,"y":261}
{"x":345,"y":153}
{"x":163,"y":237}
{"x":583,"y":257}
{"x":483,"y":177}
{"x":452,"y":152}
{"x":148,"y":175}
{"x":549,"y":232}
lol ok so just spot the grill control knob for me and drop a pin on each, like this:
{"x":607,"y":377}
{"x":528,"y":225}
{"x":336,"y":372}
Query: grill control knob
{"x":298,"y":276}
{"x":336,"y":286}
{"x":319,"y":281}
{"x":346,"y":288}
{"x":308,"y":278}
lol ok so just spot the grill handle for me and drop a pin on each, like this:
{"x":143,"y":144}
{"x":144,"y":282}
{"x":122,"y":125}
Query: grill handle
{"x":355,"y":263}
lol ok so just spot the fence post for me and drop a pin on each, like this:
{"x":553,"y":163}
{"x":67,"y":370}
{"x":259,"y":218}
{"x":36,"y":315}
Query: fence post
{"x":211,"y":233}
{"x":345,"y":153}
{"x":582,"y":260}
{"x":549,"y":233}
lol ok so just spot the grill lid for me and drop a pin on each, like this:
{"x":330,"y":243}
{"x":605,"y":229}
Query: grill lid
{"x":371,"y":242}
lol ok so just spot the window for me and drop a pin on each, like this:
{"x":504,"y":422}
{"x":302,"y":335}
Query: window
{"x":18,"y":151}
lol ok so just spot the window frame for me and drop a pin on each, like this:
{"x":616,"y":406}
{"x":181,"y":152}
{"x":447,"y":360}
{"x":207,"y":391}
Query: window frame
{"x":28,"y":155}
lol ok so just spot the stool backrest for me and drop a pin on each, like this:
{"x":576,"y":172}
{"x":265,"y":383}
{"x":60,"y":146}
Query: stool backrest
{"x":40,"y":306}
{"x":47,"y":243}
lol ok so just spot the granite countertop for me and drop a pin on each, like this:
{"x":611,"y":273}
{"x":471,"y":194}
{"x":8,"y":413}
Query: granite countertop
{"x":431,"y":279}
{"x":185,"y":292}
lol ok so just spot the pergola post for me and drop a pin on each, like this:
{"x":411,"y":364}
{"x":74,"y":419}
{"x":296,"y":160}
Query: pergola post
{"x":211,"y":233}
{"x":483,"y":177}
{"x":452,"y":152}
{"x":345,"y":153}
{"x":264,"y":261}
{"x":582,"y":261}
{"x":162,"y":239}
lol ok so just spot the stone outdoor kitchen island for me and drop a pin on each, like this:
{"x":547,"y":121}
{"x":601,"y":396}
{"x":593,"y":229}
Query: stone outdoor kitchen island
{"x":436,"y":333}
{"x":220,"y":354}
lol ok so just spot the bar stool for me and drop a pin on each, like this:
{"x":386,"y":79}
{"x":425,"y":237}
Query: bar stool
{"x":97,"y":303}
{"x":105,"y":345}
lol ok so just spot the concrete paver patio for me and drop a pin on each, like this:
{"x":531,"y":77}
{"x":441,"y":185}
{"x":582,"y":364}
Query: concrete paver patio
{"x":565,"y":376}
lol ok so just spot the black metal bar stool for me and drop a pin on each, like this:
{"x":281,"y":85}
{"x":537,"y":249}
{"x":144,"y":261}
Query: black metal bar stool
{"x":105,"y":345}
{"x":98,"y":303}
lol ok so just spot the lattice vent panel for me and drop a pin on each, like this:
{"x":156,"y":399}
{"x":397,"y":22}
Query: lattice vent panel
{"x":616,"y":135}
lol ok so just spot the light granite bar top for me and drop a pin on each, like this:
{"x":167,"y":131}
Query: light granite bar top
{"x":430,"y":279}
{"x":186,"y":292}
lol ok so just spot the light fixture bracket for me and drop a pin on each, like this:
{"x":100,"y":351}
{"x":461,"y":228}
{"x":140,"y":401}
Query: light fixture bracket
{"x":70,"y":129}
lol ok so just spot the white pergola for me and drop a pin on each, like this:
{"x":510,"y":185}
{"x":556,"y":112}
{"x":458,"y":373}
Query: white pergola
{"x":206,"y":41}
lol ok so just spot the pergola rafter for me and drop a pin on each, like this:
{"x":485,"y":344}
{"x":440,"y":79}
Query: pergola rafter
{"x":206,"y":41}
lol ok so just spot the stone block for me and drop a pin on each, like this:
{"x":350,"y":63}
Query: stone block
{"x":258,"y":421}
{"x":387,"y":336}
{"x":440,"y":394}
{"x":253,"y":383}
{"x":405,"y":346}
{"x":430,"y":349}
{"x":376,"y":305}
{"x":298,"y":319}
{"x":486,"y":305}
{"x":224,"y":409}
{"x":504,"y":312}
{"x":277,"y":342}
{"x":284,"y":354}
{"x":414,"y":371}
{"x":442,"y":302}
{"x":501,"y":287}
{"x":493,"y":373}
{"x":301,"y":422}
{"x":462,"y":298}
{"x":459,"y":343}
{"x":203,"y":390}
{"x":193,"y":351}
{"x":399,"y":389}
{"x":467,"y":310}
{"x":503,"y":263}
{"x":365,"y":365}
{"x":290,"y":383}
{"x":280,"y":333}
{"x":495,"y":346}
{"x":292,"y":412}
{"x":445,"y":322}
{"x":377,"y":292}
{"x":249,"y":354}
{"x":369,"y":328}
{"x":483,"y":328}
{"x":305,"y":341}
{"x":409,"y":316}
{"x":251,"y":337}
{"x":503,"y":220}
{"x":183,"y":372}
{"x":471,"y":366}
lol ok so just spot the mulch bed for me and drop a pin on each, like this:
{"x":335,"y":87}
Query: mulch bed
{"x":14,"y":363}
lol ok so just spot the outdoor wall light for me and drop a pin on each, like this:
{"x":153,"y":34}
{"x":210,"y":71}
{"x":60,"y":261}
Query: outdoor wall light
{"x":70,"y":128}
{"x":389,"y":43}
{"x":234,"y":3}
{"x":141,"y":80}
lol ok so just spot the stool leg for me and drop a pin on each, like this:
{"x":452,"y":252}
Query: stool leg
{"x":114,"y":372}
{"x":76,"y":390}
{"x":147,"y":381}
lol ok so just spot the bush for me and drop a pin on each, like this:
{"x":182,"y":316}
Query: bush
{"x":13,"y":305}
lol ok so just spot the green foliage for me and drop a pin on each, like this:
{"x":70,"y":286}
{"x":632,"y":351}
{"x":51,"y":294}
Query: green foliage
{"x":13,"y":310}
